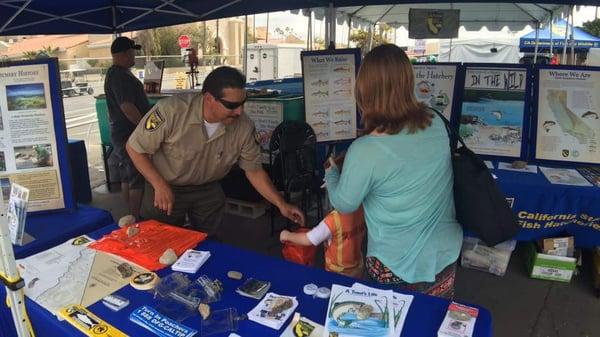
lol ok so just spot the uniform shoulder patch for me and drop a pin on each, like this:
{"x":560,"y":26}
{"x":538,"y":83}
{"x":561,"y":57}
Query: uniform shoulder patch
{"x":154,"y":120}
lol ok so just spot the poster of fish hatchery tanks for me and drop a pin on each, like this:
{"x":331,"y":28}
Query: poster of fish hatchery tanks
{"x":434,"y":86}
{"x":329,"y":95}
{"x":567,"y":118}
{"x":493,"y":110}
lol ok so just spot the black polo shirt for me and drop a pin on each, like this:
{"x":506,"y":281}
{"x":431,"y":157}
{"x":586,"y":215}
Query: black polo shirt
{"x":121,"y":86}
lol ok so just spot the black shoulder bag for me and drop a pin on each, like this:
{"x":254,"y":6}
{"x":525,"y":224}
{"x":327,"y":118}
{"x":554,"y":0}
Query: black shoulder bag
{"x":481,"y":208}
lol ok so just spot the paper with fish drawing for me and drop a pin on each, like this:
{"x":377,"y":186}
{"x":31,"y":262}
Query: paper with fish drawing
{"x":564,"y":176}
{"x":360,"y":311}
{"x":71,"y":273}
{"x":400,"y":305}
{"x":493,"y":110}
{"x":568,"y":113}
{"x":329,"y":95}
{"x":434,"y":86}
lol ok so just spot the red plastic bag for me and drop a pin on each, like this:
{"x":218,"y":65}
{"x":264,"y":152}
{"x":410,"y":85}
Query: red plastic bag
{"x":299,"y":254}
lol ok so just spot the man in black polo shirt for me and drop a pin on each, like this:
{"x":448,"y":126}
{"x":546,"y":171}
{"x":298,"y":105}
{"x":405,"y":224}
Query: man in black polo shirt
{"x":127,"y":104}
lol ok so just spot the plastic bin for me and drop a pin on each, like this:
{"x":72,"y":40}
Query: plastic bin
{"x":304,"y":255}
{"x":477,"y":255}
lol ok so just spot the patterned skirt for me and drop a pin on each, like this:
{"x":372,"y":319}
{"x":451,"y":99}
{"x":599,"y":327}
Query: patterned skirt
{"x":443,"y":286}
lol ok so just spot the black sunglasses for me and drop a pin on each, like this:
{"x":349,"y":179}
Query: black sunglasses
{"x":231,"y":105}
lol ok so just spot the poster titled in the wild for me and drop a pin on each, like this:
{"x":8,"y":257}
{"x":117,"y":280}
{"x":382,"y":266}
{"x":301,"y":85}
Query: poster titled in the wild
{"x":493,"y":110}
{"x":568,"y":125}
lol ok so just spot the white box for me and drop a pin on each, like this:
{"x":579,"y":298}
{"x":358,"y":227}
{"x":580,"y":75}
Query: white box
{"x":273,"y":61}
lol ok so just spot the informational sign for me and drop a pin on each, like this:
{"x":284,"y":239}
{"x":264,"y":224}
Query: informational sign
{"x":153,"y":74}
{"x":30,"y":137}
{"x":184,"y":41}
{"x":494,"y":110}
{"x":330,"y":106}
{"x":426,"y":23}
{"x":266,"y":117}
{"x":567,"y":118}
{"x":434,"y":86}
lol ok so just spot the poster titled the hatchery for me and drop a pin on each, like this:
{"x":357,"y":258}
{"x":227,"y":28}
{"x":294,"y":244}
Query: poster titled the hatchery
{"x":329,"y":94}
{"x":28,"y":149}
{"x":568,"y":123}
{"x":434,"y":86}
{"x":493,"y":110}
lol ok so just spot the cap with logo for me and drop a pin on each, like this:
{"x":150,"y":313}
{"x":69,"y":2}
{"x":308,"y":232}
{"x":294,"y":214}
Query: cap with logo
{"x":122,"y":44}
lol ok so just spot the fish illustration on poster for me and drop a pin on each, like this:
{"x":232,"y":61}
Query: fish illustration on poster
{"x":329,"y":81}
{"x":568,"y":109}
{"x":434,"y":86}
{"x":493,"y":110}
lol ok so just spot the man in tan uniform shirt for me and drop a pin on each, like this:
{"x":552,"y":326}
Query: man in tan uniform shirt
{"x":187,"y":143}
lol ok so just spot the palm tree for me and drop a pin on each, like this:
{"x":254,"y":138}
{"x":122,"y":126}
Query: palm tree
{"x":49,"y":51}
{"x":30,"y":55}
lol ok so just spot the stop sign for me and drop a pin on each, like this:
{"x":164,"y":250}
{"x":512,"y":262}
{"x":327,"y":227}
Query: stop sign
{"x":184,"y":41}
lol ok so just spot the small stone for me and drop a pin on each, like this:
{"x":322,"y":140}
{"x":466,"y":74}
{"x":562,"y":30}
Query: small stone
{"x":519,"y":164}
{"x":204,"y":310}
{"x":132,"y":231}
{"x":126,"y":220}
{"x":234,"y":275}
{"x":168,"y":257}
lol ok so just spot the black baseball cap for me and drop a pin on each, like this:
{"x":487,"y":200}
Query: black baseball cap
{"x":122,"y":44}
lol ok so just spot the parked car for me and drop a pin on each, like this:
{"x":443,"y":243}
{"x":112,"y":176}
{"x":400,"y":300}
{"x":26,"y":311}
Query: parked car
{"x":70,"y":88}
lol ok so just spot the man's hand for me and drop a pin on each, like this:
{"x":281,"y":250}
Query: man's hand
{"x":293,"y":213}
{"x":163,"y":198}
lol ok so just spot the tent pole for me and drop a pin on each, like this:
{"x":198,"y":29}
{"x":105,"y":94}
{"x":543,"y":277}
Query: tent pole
{"x":450,"y":51}
{"x":537,"y":41}
{"x":332,"y":23}
{"x":551,"y":34}
{"x":572,"y":32}
{"x":349,"y":29}
{"x":245,"y":45}
{"x":267,"y":32}
{"x":564,"y":51}
{"x":309,"y":34}
{"x":370,"y":44}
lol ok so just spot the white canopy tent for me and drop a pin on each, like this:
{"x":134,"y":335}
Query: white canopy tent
{"x":480,"y":51}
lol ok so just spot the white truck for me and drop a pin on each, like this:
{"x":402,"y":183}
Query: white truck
{"x":273,"y":61}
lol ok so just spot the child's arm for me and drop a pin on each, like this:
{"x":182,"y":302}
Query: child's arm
{"x":312,"y":238}
{"x":296,"y":238}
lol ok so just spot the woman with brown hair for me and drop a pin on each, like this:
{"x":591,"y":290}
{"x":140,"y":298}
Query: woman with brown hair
{"x":401,"y":173}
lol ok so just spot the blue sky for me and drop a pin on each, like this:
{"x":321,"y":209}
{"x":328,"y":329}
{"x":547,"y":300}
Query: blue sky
{"x":25,"y":89}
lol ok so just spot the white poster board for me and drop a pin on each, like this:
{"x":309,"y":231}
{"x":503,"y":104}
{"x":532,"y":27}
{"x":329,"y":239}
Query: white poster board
{"x":494,"y":105}
{"x":568,"y":124}
{"x":266,"y":117}
{"x":434,"y":86}
{"x":28,"y":148}
{"x":329,"y":101}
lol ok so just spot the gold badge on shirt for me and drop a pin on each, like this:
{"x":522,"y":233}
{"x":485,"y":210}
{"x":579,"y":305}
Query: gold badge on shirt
{"x":153,"y":121}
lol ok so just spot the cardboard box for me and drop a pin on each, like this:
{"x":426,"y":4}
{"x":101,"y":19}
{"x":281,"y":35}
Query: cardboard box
{"x":477,"y":255}
{"x":558,"y":246}
{"x":549,"y":267}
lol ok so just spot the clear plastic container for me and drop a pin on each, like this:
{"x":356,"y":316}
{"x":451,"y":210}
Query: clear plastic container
{"x":477,"y":255}
{"x":220,"y":321}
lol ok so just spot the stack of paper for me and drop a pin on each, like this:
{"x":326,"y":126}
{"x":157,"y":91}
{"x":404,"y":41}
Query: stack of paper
{"x":366,"y":311}
{"x":160,"y":325}
{"x":273,"y":310}
{"x":190,"y":261}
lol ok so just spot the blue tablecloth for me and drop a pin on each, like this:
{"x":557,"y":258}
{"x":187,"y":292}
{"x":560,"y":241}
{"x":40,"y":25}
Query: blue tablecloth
{"x":548,"y":210}
{"x":424,"y":317}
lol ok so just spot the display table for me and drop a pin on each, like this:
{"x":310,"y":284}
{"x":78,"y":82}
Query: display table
{"x":547,"y":210}
{"x":424,"y":317}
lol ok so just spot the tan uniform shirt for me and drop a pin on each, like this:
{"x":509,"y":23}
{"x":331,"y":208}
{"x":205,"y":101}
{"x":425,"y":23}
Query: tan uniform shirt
{"x":173,"y":134}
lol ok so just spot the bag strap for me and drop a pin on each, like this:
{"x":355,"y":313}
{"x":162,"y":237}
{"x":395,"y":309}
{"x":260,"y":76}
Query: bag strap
{"x":452,"y":133}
